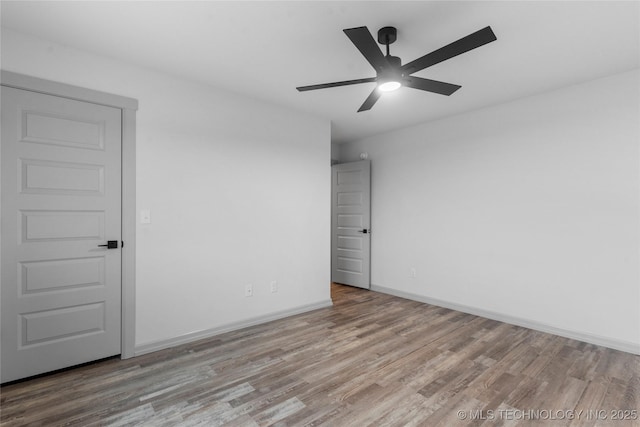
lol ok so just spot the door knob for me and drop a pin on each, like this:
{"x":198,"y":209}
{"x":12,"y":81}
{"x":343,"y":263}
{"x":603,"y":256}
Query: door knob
{"x":111,"y":244}
{"x":364,"y":231}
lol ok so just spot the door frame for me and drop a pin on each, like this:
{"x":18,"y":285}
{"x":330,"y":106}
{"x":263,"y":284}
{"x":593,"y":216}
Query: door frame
{"x":128,"y":108}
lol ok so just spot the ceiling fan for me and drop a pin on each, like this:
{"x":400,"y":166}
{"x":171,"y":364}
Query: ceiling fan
{"x":391,"y":74}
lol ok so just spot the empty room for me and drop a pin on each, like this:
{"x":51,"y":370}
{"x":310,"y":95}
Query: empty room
{"x":305,"y":213}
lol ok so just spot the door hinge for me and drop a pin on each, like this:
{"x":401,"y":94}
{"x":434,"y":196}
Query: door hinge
{"x":122,"y":245}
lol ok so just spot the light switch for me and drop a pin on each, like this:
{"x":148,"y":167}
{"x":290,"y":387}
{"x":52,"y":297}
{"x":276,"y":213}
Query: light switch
{"x":145,"y":216}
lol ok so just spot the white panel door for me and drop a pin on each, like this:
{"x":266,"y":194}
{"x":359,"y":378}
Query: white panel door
{"x":350,"y":224}
{"x":61,"y":185}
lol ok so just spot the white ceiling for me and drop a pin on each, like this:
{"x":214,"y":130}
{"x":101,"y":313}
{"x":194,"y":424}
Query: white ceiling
{"x":265,"y":49}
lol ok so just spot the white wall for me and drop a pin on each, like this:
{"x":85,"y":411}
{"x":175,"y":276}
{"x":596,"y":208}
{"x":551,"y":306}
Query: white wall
{"x":335,"y":152}
{"x":238,"y":192}
{"x":526,"y":211}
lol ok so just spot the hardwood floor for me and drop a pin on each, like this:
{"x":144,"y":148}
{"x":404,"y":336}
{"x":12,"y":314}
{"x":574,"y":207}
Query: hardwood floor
{"x":372,"y":359}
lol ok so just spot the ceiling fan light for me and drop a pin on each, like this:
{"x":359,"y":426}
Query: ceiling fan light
{"x":389,"y":86}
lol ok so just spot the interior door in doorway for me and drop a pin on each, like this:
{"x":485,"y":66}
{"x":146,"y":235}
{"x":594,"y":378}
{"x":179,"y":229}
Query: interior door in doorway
{"x":351,"y":224}
{"x":61,"y":200}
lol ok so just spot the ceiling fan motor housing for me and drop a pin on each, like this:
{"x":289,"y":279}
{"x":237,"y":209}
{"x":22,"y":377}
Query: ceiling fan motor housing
{"x":394,"y":61}
{"x":391,"y":73}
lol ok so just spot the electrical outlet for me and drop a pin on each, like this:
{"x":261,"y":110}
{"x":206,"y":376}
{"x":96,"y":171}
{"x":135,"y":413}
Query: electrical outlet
{"x":412,"y":272}
{"x":145,"y":216}
{"x":274,"y":286}
{"x":248,"y":290}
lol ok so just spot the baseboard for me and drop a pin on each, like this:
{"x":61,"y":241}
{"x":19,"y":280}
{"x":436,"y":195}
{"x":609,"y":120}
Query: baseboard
{"x":625,"y":346}
{"x":229,"y":327}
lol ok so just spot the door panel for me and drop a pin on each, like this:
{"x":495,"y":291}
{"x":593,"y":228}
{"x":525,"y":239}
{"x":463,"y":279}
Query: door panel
{"x":42,"y":177}
{"x":61,"y":198}
{"x":43,"y":276}
{"x":350,"y":223}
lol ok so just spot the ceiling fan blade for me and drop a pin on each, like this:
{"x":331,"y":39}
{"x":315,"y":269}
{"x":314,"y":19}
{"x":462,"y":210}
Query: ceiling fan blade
{"x":371,"y":99}
{"x":362,"y":38}
{"x":456,"y":48}
{"x":430,"y":85}
{"x":335,"y":84}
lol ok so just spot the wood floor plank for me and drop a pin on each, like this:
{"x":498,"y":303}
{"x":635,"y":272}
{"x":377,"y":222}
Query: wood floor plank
{"x":370,"y":360}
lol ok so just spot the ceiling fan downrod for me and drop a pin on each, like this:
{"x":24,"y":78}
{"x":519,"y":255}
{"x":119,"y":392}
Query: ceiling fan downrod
{"x":387,"y":36}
